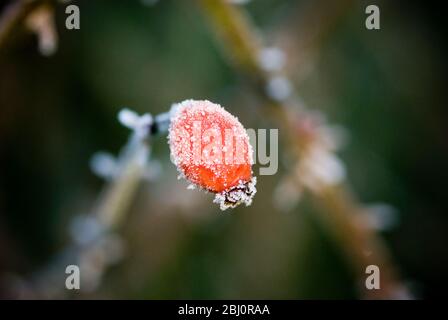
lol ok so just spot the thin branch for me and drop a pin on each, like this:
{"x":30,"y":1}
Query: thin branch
{"x":93,"y":233}
{"x":13,"y":16}
{"x":118,"y":195}
{"x":339,"y":211}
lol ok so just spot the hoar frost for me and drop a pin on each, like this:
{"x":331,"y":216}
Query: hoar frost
{"x":211,"y":149}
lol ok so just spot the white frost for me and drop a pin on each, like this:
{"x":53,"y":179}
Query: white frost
{"x":242,"y":193}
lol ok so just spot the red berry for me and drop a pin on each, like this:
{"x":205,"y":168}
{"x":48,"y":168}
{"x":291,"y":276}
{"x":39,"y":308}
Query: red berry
{"x":211,"y":149}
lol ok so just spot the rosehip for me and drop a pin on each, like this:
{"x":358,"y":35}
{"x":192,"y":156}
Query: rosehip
{"x":211,"y":149}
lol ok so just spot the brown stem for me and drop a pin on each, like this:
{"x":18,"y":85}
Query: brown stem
{"x":117,"y":196}
{"x":13,"y":15}
{"x":338,"y":209}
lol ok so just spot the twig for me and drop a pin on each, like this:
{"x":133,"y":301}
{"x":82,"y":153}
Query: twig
{"x":92,"y":234}
{"x":340,"y":212}
{"x":13,"y":15}
{"x":118,"y":194}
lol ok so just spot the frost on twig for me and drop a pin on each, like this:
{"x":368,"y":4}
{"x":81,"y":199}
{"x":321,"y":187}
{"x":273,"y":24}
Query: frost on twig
{"x":278,"y":88}
{"x":104,"y":165}
{"x":271,"y":59}
{"x":140,"y":124}
{"x":287,"y":193}
{"x":100,"y":246}
{"x":97,"y":246}
{"x":85,"y":229}
{"x":320,"y":169}
{"x":381,"y":216}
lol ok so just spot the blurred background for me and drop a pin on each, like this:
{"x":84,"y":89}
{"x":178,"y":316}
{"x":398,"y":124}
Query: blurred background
{"x":384,"y":87}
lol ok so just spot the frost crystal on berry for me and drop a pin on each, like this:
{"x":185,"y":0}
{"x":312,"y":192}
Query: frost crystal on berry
{"x":211,"y":149}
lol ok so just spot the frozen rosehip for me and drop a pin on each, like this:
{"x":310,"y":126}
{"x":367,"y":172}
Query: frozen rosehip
{"x":211,"y":149}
